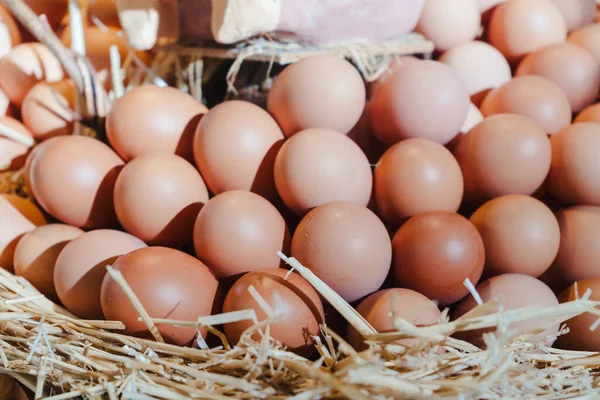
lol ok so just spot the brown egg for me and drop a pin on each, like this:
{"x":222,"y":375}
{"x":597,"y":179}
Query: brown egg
{"x":414,"y":176}
{"x":580,"y":337}
{"x":295,"y":301}
{"x":81,"y":266}
{"x":449,"y":24}
{"x":5,"y":106}
{"x":48,"y":109}
{"x":504,"y":154}
{"x":36,"y":254}
{"x":588,"y":38}
{"x":480,"y":66}
{"x":10,"y":35}
{"x":425,"y":99}
{"x":534,"y":97}
{"x":572,"y":68}
{"x":158,"y":197}
{"x":434,"y":252}
{"x":26,"y":65}
{"x":318,"y":166}
{"x":54,"y":10}
{"x":514,"y":291}
{"x":17,"y":217}
{"x":32,"y":155}
{"x":407,"y":304}
{"x":235,"y":147}
{"x":106,"y":11}
{"x":589,"y":114}
{"x":320,"y":91}
{"x":169,"y":283}
{"x":13,"y":154}
{"x":243,"y":221}
{"x":363,"y":136}
{"x":577,"y":13}
{"x":393,"y":65}
{"x":520,"y":234}
{"x":519,"y":27}
{"x":575,"y":172}
{"x":345,"y":245}
{"x":73,"y":180}
{"x":151,"y":118}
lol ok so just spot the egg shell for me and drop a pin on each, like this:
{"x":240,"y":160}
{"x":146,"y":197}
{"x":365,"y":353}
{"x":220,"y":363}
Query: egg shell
{"x":434,"y":252}
{"x":237,"y":232}
{"x":503,"y":154}
{"x":407,"y":304}
{"x":488,"y":5}
{"x":157,"y":198}
{"x":449,"y":24}
{"x":17,"y":217}
{"x":320,"y":91}
{"x":589,"y":114}
{"x":10,"y":35}
{"x":580,"y":337}
{"x":297,"y":303}
{"x":577,"y":13}
{"x":81,"y":266}
{"x":6,"y":110}
{"x":521,"y":235}
{"x":535,"y":97}
{"x":150,"y":118}
{"x":393,"y":65}
{"x":513,"y":291}
{"x":24,"y":66}
{"x":414,"y":176}
{"x":319,"y":166}
{"x":13,"y":154}
{"x":571,"y":67}
{"x":574,"y":174}
{"x":31,"y":156}
{"x":588,"y":38}
{"x":362,"y":135}
{"x":425,"y":99}
{"x":346,"y":246}
{"x":73,"y":179}
{"x":36,"y":253}
{"x":235,"y":146}
{"x":54,"y":10}
{"x":104,"y":10}
{"x":169,"y":283}
{"x":519,"y":27}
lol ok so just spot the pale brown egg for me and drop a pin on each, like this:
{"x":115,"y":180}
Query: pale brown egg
{"x":590,"y":114}
{"x":580,"y":337}
{"x":169,"y":284}
{"x":425,"y":99}
{"x":31,"y":156}
{"x":24,"y":66}
{"x":81,"y":266}
{"x":487,"y":5}
{"x":105,"y":10}
{"x":574,"y":177}
{"x":235,"y":147}
{"x":588,"y":38}
{"x":10,"y":34}
{"x":362,"y":135}
{"x":449,"y":24}
{"x":17,"y":217}
{"x":318,"y":166}
{"x":394,"y":64}
{"x":13,"y":154}
{"x":73,"y":179}
{"x":519,"y":27}
{"x":150,"y":118}
{"x":320,"y":91}
{"x":534,"y":97}
{"x":36,"y":254}
{"x":347,"y":246}
{"x":414,"y":176}
{"x":577,"y":13}
{"x":5,"y":106}
{"x":54,"y":10}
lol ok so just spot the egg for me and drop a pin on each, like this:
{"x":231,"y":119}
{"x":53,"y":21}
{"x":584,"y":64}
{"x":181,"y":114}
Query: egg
{"x":480,"y":66}
{"x":320,"y":91}
{"x":519,"y":27}
{"x":434,"y":252}
{"x":414,"y":176}
{"x":17,"y":217}
{"x":572,"y":68}
{"x":407,"y":304}
{"x":81,"y":266}
{"x":449,"y":24}
{"x":31,"y":156}
{"x":235,"y":147}
{"x":520,"y":234}
{"x":534,"y":97}
{"x":48,"y":109}
{"x":36,"y":253}
{"x":54,"y":10}
{"x":393,"y":65}
{"x":577,"y":13}
{"x":169,"y":284}
{"x":6,"y":109}
{"x":150,"y":118}
{"x":24,"y":66}
{"x":296,"y":303}
{"x":488,"y":5}
{"x":586,"y":37}
{"x":503,"y":154}
{"x":363,"y":136}
{"x":13,"y":154}
{"x":73,"y":180}
{"x":243,"y":221}
{"x":425,"y":99}
{"x":589,"y":114}
{"x":106,"y":11}
{"x":318,"y":166}
{"x":10,"y":35}
{"x":513,"y":291}
{"x":157,"y":198}
{"x":347,"y":246}
{"x":580,"y":337}
{"x":574,"y":175}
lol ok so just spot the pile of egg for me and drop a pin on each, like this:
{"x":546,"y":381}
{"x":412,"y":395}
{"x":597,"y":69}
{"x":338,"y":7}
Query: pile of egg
{"x":481,"y":166}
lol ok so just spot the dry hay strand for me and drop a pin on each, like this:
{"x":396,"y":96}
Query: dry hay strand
{"x":13,"y":182}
